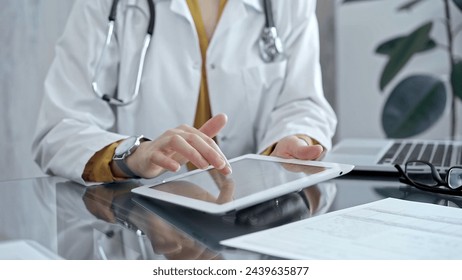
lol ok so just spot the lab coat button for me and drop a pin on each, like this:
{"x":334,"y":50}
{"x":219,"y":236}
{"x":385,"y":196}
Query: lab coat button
{"x":212,"y":66}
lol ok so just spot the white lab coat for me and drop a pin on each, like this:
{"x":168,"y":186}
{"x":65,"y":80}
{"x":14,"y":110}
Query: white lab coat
{"x":264,"y":101}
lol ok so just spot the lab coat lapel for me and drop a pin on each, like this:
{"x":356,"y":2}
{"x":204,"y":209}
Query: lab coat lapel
{"x":181,"y":8}
{"x":234,"y":12}
{"x":256,"y":4}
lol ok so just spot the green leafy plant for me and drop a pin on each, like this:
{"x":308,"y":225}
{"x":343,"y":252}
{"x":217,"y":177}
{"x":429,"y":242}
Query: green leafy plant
{"x":418,"y":101}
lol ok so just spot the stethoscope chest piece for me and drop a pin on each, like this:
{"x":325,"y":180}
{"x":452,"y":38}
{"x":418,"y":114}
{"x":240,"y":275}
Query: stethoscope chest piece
{"x":270,"y":45}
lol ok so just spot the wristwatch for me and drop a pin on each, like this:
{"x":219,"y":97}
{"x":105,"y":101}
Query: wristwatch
{"x":125,"y":149}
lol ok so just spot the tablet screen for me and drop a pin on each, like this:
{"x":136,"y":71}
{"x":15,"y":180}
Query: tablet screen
{"x":249,"y":176}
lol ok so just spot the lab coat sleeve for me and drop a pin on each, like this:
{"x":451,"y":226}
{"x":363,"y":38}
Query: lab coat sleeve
{"x":73,"y":123}
{"x":301,"y":107}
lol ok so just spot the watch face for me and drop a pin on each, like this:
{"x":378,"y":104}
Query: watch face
{"x":125,"y":146}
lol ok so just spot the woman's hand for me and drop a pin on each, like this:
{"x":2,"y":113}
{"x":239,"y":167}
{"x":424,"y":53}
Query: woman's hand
{"x":176,"y":147}
{"x":298,"y":148}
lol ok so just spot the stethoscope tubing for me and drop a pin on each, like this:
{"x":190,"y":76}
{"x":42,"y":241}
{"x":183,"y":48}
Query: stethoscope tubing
{"x":268,"y":9}
{"x":110,"y":34}
{"x":268,"y":51}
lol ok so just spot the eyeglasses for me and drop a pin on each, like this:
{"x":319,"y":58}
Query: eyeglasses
{"x":424,"y":175}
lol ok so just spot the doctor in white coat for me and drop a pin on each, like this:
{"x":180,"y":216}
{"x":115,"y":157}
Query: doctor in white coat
{"x":256,"y":105}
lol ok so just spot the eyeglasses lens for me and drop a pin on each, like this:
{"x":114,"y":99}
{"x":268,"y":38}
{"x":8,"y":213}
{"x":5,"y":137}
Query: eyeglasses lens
{"x":455,"y":177}
{"x":421,"y":173}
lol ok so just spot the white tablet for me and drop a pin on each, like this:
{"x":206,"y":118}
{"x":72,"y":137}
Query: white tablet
{"x":255,"y":179}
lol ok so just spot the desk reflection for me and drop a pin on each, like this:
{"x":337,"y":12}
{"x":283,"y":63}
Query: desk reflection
{"x":102,"y":222}
{"x":167,"y":228}
{"x":413,"y":194}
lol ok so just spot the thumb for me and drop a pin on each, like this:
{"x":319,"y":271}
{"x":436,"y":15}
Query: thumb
{"x":213,"y":126}
{"x":308,"y":152}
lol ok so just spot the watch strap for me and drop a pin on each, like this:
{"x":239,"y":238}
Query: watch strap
{"x":125,"y":169}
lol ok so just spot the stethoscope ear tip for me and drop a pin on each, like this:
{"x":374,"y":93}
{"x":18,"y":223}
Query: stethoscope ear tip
{"x":113,"y":100}
{"x":106,"y":98}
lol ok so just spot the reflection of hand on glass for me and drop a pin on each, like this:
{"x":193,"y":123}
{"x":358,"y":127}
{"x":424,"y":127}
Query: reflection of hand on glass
{"x":320,"y":197}
{"x":114,"y":203}
{"x":300,"y":168}
{"x":99,"y":200}
{"x":312,"y":196}
{"x":226,"y":186}
{"x":167,"y":240}
{"x":185,"y":188}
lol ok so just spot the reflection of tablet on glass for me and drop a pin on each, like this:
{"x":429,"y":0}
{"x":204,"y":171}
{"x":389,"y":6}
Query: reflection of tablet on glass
{"x":255,"y":179}
{"x":203,"y":227}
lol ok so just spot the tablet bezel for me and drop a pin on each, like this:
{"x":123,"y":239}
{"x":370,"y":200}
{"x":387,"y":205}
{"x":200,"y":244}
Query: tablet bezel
{"x":332,"y":170}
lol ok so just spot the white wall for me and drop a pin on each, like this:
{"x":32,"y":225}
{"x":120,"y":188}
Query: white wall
{"x":325,"y":13}
{"x":360,"y":28}
{"x":28,"y":31}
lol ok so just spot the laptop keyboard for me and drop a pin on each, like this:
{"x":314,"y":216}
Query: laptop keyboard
{"x":439,"y":154}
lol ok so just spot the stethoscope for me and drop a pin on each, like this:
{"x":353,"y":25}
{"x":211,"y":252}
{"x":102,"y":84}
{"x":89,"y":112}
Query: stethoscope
{"x":270,"y":47}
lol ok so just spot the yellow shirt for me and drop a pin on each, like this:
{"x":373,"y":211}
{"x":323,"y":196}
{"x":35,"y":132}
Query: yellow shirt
{"x":203,"y":110}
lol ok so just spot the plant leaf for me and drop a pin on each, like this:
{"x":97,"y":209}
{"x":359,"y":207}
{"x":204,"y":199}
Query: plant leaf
{"x":413,"y":106}
{"x":387,"y":47}
{"x":404,"y":50}
{"x":458,"y":3}
{"x":409,"y":5}
{"x":456,"y":79}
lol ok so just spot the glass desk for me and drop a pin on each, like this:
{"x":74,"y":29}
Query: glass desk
{"x":109,"y":222}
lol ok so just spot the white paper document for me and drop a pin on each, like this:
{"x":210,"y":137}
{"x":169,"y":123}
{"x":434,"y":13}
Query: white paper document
{"x":386,"y":229}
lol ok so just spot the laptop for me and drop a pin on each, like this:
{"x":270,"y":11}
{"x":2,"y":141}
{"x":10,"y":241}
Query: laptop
{"x":380,"y":155}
